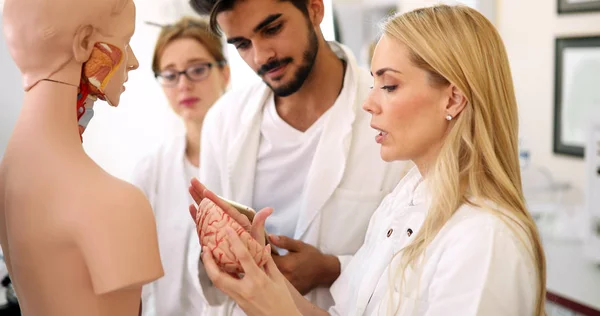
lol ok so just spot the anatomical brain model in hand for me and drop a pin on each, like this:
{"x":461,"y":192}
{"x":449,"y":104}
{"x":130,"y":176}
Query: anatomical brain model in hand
{"x":211,"y":228}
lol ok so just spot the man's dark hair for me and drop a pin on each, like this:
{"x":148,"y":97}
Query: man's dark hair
{"x":214,"y":7}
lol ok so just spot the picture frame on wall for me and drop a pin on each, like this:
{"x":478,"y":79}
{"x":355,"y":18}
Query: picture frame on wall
{"x":576,"y":92}
{"x":578,"y":6}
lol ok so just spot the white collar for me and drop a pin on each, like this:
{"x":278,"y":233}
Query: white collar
{"x":414,"y":187}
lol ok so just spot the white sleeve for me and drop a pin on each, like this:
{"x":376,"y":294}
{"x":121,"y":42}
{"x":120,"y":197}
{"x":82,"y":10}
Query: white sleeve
{"x":340,"y":288}
{"x":211,"y":145}
{"x":148,"y":307}
{"x":143,"y":177}
{"x":344,"y":260}
{"x":485,"y":270}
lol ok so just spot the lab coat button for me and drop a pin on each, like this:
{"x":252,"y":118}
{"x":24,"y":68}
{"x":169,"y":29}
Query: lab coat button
{"x":409,"y":232}
{"x":389,"y":233}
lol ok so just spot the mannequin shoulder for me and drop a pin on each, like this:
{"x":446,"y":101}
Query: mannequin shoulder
{"x":109,"y":200}
{"x":119,"y":195}
{"x":125,"y":195}
{"x":116,"y":235}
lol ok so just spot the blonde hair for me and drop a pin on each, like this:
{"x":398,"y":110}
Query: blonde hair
{"x":479,"y":157}
{"x":188,"y":27}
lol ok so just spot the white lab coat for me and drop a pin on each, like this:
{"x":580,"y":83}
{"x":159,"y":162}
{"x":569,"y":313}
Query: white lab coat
{"x":346,"y":181}
{"x":476,"y":265}
{"x":161,"y":176}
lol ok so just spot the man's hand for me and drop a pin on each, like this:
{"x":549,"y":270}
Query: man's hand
{"x":305,"y":266}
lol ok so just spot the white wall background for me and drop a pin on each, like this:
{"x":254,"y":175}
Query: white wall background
{"x":118,"y":137}
{"x":486,"y":7}
{"x":529,"y":29}
{"x":359,"y":20}
{"x":11,"y":93}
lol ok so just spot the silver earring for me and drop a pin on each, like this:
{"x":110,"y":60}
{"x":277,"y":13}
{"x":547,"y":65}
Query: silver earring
{"x":448,"y":117}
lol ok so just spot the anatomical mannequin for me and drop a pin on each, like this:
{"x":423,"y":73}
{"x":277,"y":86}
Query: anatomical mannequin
{"x":77,"y":240}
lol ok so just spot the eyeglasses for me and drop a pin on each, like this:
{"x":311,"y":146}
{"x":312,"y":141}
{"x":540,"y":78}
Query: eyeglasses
{"x":195,"y":73}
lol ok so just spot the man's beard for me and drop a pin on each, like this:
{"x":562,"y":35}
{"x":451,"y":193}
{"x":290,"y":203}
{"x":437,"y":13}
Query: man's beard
{"x":308,"y":61}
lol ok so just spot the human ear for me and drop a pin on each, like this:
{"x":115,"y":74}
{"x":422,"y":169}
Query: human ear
{"x":457,"y":101}
{"x":83,"y":43}
{"x":316,"y":11}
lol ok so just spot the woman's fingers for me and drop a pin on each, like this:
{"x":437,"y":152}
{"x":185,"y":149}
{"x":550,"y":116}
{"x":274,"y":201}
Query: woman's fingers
{"x":193,"y":211}
{"x":240,"y":250}
{"x":220,"y":279}
{"x":197,"y":199}
{"x":228,"y":209}
{"x":196,"y":190}
{"x":271,"y":268}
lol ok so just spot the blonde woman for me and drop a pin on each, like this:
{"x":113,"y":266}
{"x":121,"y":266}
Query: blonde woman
{"x":454,"y":237}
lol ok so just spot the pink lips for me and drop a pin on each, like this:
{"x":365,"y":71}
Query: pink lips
{"x":379,"y":138}
{"x":381,"y":135}
{"x":277,"y":71}
{"x":189,"y":102}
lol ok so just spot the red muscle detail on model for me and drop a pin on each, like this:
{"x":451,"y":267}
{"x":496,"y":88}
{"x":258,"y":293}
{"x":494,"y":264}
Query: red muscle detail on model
{"x":104,"y":61}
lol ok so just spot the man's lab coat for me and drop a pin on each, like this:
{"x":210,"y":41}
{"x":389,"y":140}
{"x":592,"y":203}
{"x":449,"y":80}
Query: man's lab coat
{"x":345,"y":184}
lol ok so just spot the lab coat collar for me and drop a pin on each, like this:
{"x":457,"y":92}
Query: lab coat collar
{"x":181,"y":140}
{"x":330,"y":157}
{"x":414,"y":187}
{"x":329,"y":161}
{"x":420,"y":191}
{"x":242,"y":166}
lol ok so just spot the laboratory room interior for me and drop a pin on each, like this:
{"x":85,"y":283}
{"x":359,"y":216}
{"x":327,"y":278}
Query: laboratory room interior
{"x":553,"y":47}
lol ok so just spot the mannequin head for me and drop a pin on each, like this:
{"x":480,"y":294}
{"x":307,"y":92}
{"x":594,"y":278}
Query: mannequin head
{"x":52,"y":39}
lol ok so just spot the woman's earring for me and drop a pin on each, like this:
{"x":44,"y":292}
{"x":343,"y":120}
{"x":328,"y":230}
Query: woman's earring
{"x":448,"y":117}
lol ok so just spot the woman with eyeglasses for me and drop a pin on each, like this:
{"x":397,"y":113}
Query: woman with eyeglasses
{"x":190,"y":66}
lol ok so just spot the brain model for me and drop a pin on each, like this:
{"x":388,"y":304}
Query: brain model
{"x":211,"y":228}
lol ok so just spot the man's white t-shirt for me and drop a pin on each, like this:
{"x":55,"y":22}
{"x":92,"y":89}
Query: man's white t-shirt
{"x":284,"y":158}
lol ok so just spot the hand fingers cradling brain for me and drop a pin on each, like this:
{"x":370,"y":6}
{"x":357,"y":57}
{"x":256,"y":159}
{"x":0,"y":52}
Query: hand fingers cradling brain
{"x":211,"y":228}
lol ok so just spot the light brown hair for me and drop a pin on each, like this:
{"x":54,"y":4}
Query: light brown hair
{"x":193,"y":28}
